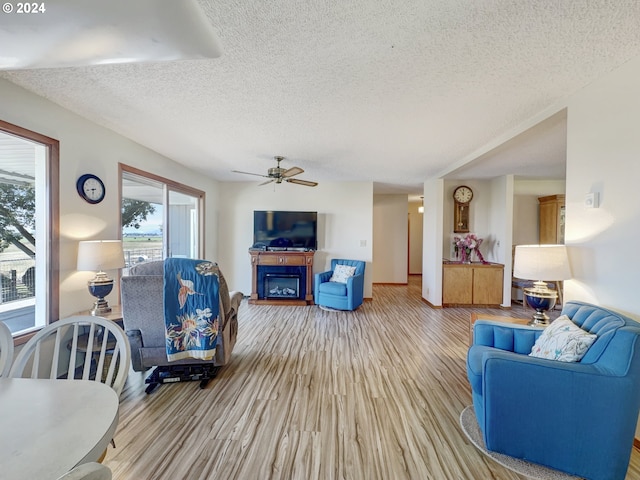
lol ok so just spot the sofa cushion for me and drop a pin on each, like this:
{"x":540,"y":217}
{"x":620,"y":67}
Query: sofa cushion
{"x":341,"y":273}
{"x":333,"y":288}
{"x":563,"y":341}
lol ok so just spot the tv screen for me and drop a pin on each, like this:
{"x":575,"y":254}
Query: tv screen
{"x":280,"y":229}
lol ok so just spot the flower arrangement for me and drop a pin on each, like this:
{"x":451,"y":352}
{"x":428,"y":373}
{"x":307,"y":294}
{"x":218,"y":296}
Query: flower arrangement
{"x":464,"y":247}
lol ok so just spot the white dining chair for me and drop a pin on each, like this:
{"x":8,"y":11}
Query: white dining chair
{"x":88,"y":471}
{"x":6,"y":349}
{"x":80,"y":347}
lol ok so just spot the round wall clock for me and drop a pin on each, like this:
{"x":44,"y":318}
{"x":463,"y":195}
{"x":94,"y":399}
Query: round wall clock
{"x":90,"y":188}
{"x":463,"y":194}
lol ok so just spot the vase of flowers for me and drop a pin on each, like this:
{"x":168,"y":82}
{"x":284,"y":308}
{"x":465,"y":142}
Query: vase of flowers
{"x":466,"y":246}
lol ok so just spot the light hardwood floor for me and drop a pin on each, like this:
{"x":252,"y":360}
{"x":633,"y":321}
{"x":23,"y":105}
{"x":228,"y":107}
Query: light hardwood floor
{"x":309,"y":394}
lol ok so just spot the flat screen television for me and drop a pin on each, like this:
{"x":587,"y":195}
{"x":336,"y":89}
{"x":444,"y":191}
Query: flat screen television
{"x":285,"y":229}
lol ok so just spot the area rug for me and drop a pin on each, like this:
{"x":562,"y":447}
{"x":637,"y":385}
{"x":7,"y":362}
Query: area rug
{"x":471,"y":429}
{"x":329,"y":309}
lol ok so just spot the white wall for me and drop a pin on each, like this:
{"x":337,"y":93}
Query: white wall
{"x":345,"y":224}
{"x":390,"y":238}
{"x":432,"y":231}
{"x":603,"y":156}
{"x":482,"y":210}
{"x":415,"y":239}
{"x":500,"y":225}
{"x":88,"y":148}
{"x":603,"y":152}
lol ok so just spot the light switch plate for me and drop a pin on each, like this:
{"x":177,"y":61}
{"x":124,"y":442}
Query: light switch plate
{"x":591,"y":200}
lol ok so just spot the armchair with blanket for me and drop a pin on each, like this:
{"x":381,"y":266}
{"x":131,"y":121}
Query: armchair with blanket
{"x":143,"y":315}
{"x":575,"y":415}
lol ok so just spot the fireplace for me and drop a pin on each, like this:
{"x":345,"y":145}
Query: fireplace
{"x":281,"y":278}
{"x":281,"y":282}
{"x":277,"y":285}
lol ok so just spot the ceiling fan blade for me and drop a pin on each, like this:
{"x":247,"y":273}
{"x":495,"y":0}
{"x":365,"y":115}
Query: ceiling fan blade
{"x":306,"y":183}
{"x":292,"y":171}
{"x":249,"y":173}
{"x":267,"y":182}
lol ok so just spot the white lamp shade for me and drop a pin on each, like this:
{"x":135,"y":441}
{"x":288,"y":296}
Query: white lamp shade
{"x":541,"y":262}
{"x":99,"y":255}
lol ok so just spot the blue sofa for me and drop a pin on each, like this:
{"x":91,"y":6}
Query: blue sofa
{"x":578,"y":417}
{"x":340,"y":296}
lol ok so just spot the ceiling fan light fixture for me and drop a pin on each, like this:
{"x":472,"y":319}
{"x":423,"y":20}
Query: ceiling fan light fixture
{"x":278,"y":174}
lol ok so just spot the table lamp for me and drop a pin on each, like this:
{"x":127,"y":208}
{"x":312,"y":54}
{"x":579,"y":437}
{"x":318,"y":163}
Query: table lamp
{"x":100,"y":255}
{"x":539,"y":263}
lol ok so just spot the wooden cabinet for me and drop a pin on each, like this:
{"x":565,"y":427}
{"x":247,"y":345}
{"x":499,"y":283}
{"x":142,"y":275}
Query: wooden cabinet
{"x":472,"y":284}
{"x":551,"y":219}
{"x":457,"y":285}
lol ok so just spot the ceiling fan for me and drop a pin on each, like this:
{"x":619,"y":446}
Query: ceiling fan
{"x":278,"y":174}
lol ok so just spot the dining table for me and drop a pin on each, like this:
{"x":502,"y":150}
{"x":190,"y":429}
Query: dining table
{"x":47,"y":427}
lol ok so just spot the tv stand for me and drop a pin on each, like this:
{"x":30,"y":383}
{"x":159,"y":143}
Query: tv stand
{"x":281,"y":260}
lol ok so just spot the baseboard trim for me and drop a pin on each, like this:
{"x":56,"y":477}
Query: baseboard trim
{"x":392,"y":283}
{"x":424,"y":300}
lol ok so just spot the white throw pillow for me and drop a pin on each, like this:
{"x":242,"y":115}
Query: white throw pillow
{"x":341,"y":273}
{"x":563,"y":340}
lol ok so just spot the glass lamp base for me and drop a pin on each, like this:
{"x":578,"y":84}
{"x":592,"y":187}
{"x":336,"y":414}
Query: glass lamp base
{"x":100,"y":307}
{"x":540,"y":319}
{"x":541,"y":300}
{"x":100,"y":287}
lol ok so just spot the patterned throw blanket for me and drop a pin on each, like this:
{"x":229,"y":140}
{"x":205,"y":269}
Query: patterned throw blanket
{"x":191,"y":308}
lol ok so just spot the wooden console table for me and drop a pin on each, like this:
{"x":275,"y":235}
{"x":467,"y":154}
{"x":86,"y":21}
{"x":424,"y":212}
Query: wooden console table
{"x":474,"y":284}
{"x":115,"y":315}
{"x":286,"y":258}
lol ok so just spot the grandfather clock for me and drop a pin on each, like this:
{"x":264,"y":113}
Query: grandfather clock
{"x":462,"y":196}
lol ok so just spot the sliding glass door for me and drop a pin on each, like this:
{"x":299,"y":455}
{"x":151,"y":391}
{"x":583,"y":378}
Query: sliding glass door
{"x":160,"y":218}
{"x":184,"y":221}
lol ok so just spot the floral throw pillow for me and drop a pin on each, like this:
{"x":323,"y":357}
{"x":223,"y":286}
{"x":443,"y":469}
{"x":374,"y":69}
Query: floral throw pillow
{"x":341,"y":273}
{"x":563,"y":340}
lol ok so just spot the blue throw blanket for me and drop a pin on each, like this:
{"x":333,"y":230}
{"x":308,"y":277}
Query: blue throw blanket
{"x":191,"y":308}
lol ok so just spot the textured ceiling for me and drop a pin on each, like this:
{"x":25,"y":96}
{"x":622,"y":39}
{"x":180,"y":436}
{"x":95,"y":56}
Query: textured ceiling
{"x":393,"y":92}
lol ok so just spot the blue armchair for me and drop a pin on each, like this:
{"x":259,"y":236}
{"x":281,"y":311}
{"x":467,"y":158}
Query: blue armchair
{"x":340,"y":296}
{"x":576,"y":417}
